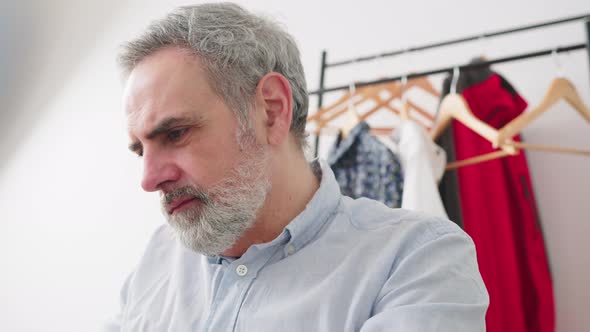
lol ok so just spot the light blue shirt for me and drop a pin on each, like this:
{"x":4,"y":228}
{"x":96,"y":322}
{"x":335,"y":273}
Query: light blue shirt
{"x":341,"y":265}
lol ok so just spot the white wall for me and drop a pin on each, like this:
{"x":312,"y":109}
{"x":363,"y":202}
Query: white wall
{"x":74,"y":220}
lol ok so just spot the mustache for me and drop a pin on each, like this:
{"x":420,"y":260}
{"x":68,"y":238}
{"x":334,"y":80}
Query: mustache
{"x":197,"y":193}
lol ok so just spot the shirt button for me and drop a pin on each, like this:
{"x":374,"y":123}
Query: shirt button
{"x":241,"y":270}
{"x":290,"y":249}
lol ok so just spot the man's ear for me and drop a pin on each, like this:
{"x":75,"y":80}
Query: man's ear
{"x":275,"y":100}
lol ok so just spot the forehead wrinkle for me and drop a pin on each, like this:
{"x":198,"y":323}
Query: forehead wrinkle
{"x":145,"y":111}
{"x":139,"y":103}
{"x":134,"y":118}
{"x":137,"y":123}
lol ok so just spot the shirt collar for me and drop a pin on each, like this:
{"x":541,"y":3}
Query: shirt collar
{"x":319,"y":209}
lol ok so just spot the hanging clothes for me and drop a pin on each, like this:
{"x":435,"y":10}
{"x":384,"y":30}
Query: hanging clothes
{"x":449,"y":185}
{"x":364,"y":167}
{"x":423,"y":165}
{"x":499,"y":213}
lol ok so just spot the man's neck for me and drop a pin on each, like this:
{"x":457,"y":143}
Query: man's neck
{"x":293,"y":186}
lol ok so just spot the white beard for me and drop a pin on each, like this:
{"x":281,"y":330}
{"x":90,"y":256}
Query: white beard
{"x":225,"y":211}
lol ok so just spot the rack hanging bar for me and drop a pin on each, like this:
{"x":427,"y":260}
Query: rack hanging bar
{"x":458,"y":40}
{"x":463,"y":67}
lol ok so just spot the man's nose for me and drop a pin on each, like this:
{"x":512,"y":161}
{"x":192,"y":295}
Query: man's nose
{"x":158,"y":170}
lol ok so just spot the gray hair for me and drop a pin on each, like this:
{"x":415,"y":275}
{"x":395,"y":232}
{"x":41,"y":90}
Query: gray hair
{"x":237,"y":49}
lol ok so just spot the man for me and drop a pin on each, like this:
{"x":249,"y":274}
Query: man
{"x":259,"y":239}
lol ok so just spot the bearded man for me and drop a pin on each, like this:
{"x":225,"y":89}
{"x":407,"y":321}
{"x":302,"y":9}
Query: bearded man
{"x":258,"y":238}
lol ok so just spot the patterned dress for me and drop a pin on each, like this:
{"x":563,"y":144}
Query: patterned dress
{"x":365,"y":167}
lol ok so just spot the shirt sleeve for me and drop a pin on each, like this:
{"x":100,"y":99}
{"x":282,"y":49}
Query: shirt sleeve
{"x":435,"y":287}
{"x":114,"y":324}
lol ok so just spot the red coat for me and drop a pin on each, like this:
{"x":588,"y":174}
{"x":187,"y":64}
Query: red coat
{"x":499,"y":213}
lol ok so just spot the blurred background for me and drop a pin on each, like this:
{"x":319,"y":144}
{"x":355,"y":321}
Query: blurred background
{"x":73,"y":218}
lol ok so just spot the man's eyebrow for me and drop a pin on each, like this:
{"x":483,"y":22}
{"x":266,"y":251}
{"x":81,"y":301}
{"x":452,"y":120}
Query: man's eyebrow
{"x":164,"y":126}
{"x":168,"y":123}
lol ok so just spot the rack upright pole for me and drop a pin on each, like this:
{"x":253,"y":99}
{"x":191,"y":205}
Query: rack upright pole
{"x":320,"y":99}
{"x":587,"y":23}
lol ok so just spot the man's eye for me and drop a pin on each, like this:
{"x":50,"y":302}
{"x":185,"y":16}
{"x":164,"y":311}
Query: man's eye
{"x":176,"y":134}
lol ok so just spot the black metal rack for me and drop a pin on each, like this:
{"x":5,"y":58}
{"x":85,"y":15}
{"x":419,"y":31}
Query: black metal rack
{"x":325,"y":65}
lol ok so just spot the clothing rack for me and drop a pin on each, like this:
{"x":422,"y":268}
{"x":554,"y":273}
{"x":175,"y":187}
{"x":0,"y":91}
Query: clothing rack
{"x":325,"y":65}
{"x":461,"y":67}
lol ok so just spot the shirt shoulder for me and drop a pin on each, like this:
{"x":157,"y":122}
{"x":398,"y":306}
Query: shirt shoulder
{"x":371,"y":217}
{"x":370,"y":214}
{"x":425,"y":267}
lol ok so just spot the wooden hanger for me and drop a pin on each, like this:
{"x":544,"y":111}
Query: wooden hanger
{"x":548,"y":148}
{"x":423,"y":83}
{"x":353,"y":118}
{"x":372,"y":92}
{"x":396,"y":91}
{"x":405,"y":112}
{"x":340,"y":106}
{"x":454,"y":106}
{"x":519,"y":145}
{"x":560,"y":88}
{"x":350,"y":100}
{"x":476,"y":160}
